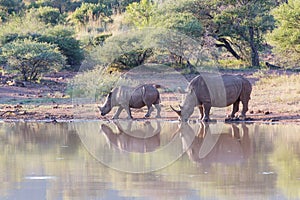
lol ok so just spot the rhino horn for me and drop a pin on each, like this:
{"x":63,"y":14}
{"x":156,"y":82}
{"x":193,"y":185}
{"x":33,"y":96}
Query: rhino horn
{"x":177,"y":111}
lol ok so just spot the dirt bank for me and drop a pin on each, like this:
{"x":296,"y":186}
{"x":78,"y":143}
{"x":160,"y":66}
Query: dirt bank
{"x":49,"y":101}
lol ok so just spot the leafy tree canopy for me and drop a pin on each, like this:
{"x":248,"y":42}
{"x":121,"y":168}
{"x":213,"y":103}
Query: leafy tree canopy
{"x":47,"y":14}
{"x":32,"y":58}
{"x":29,"y":27}
{"x":237,"y":25}
{"x":8,"y":7}
{"x":64,"y":38}
{"x":88,"y":12}
{"x":140,"y":13}
{"x":286,"y":36}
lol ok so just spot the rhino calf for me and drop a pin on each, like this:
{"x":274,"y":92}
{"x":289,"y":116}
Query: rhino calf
{"x":129,"y":97}
{"x":212,"y":90}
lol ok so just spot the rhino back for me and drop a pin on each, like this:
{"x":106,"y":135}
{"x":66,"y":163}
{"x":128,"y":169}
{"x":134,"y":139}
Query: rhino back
{"x":219,"y":91}
{"x":121,"y":95}
{"x":142,"y":95}
{"x":247,"y":89}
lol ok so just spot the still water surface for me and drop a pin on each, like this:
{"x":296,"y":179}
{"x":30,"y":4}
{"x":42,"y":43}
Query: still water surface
{"x":149,"y":160}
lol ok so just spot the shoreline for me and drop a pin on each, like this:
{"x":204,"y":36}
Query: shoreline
{"x":275,"y":99}
{"x":251,"y":118}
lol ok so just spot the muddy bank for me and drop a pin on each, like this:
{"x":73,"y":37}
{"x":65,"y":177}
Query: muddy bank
{"x":49,"y":101}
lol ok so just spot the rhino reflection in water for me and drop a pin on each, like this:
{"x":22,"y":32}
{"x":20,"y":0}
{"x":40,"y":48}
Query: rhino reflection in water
{"x":208,"y":147}
{"x":212,"y":90}
{"x":129,"y":97}
{"x":141,"y":140}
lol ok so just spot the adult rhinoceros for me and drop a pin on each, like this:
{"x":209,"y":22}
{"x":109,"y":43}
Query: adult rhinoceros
{"x":132,"y":97}
{"x":212,"y":90}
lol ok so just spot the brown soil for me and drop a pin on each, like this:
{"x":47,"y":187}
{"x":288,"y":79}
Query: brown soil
{"x":48,"y":101}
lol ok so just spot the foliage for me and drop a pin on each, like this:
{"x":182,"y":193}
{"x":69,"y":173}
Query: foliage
{"x":69,"y":46}
{"x":286,"y":36}
{"x":100,"y":38}
{"x":140,"y":13}
{"x":48,"y":15}
{"x":123,"y":51}
{"x":94,"y":83}
{"x":170,"y":15}
{"x":31,"y":28}
{"x":89,"y":12}
{"x":238,"y":26}
{"x":246,"y":23}
{"x":61,"y":5}
{"x":8,"y":7}
{"x":20,"y":28}
{"x":32,"y":58}
{"x":131,"y":59}
{"x":232,"y":64}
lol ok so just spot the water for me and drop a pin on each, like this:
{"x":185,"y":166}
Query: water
{"x":149,"y":160}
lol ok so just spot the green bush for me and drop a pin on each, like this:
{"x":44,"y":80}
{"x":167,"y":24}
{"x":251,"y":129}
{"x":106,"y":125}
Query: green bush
{"x":95,"y":83}
{"x":64,"y":38}
{"x":232,"y":64}
{"x":32,"y":28}
{"x":48,"y":15}
{"x":32,"y":58}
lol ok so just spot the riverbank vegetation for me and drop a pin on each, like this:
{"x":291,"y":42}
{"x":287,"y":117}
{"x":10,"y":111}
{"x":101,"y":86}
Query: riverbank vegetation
{"x":81,"y":47}
{"x":251,"y":32}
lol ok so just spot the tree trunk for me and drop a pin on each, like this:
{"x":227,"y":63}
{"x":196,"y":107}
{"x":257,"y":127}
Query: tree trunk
{"x":228,"y":47}
{"x":254,"y":52}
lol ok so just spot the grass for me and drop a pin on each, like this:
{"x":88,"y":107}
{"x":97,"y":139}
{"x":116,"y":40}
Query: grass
{"x":274,"y":91}
{"x":95,"y":83}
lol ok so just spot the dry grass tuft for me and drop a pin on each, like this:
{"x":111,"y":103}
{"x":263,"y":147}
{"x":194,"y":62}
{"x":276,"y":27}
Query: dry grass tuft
{"x":277,"y":92}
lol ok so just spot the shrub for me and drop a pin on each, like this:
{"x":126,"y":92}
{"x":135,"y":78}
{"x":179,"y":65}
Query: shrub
{"x":69,"y":46}
{"x":32,"y":58}
{"x":95,"y":83}
{"x":48,"y":15}
{"x":32,"y":28}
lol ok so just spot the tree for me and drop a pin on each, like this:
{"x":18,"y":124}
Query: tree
{"x":30,"y":27}
{"x":286,"y":36}
{"x":246,"y":22}
{"x":140,"y":13}
{"x":8,"y":7}
{"x":32,"y":58}
{"x":89,"y":12}
{"x":65,"y":40}
{"x":169,"y":30}
{"x":48,"y":15}
{"x":61,"y":5}
{"x":237,"y":25}
{"x":123,"y":51}
{"x":21,"y":27}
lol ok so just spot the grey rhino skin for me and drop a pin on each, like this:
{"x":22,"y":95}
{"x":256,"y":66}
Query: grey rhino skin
{"x":213,"y":90}
{"x":129,"y":97}
{"x":148,"y":141}
{"x":207,"y":147}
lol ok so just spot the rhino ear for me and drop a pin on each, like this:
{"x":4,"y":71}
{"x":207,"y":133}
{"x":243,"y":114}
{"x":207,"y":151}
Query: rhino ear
{"x":177,"y":111}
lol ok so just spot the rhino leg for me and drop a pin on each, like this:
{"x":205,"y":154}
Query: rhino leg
{"x":245,"y":109}
{"x":206,"y":108}
{"x":201,"y":111}
{"x":235,"y":108}
{"x":116,"y":115}
{"x":150,"y":109}
{"x":128,"y":112}
{"x":158,"y":108}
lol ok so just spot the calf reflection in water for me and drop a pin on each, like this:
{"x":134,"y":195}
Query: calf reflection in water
{"x":142,"y":139}
{"x":209,"y":146}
